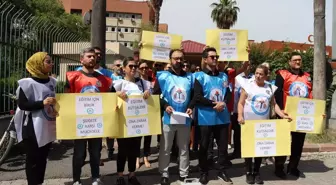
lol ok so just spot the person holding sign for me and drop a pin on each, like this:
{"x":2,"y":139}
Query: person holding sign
{"x":129,"y":148}
{"x":175,"y":85}
{"x":35,"y":117}
{"x":87,"y":80}
{"x":213,"y":118}
{"x":255,"y":103}
{"x":292,"y":82}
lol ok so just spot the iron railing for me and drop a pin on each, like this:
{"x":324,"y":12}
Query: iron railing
{"x":21,"y":35}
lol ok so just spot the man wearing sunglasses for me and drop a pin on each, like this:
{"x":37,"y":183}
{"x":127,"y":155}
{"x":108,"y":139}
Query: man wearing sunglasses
{"x":117,"y":70}
{"x":186,"y":66}
{"x":210,"y":94}
{"x":175,"y":85}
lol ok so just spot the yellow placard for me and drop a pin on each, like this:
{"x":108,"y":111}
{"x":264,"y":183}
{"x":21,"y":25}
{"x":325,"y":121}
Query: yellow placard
{"x":307,"y":114}
{"x":139,"y":117}
{"x":231,"y":45}
{"x":86,"y":115}
{"x":156,"y":46}
{"x":263,"y":138}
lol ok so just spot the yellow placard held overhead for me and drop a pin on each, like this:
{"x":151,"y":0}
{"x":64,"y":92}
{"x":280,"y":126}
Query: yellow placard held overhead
{"x":86,"y":115}
{"x":263,"y":138}
{"x":231,"y":45}
{"x":307,"y":114}
{"x":139,"y":117}
{"x":156,"y":46}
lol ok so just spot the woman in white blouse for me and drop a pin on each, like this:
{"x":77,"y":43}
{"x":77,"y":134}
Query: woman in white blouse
{"x":129,"y":148}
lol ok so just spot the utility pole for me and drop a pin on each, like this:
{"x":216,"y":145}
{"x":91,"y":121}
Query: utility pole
{"x":319,"y":82}
{"x":98,"y":26}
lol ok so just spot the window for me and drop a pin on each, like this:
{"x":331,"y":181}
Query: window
{"x":132,"y":30}
{"x":126,"y":30}
{"x":139,"y":16}
{"x":120,"y":15}
{"x":114,"y":15}
{"x":76,"y":11}
{"x":131,"y":44}
{"x":127,"y":16}
{"x":107,"y":28}
{"x":133,"y":16}
{"x":119,"y":29}
{"x":113,"y":29}
{"x":125,"y":44}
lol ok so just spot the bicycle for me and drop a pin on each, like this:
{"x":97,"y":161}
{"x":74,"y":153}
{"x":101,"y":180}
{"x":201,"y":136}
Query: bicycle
{"x":8,"y":139}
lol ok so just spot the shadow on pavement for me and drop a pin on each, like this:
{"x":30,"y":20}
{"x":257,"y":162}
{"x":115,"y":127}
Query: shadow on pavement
{"x":58,"y":150}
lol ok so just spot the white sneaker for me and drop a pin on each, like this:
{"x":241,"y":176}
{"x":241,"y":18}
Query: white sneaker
{"x":229,"y":146}
{"x":97,"y":182}
{"x":77,"y":183}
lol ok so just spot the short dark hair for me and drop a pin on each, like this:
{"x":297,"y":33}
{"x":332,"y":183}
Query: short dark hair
{"x":97,"y":48}
{"x":205,"y":52}
{"x":264,"y":68}
{"x":87,"y":50}
{"x":127,"y":60}
{"x":173,"y":50}
{"x":294,"y":53}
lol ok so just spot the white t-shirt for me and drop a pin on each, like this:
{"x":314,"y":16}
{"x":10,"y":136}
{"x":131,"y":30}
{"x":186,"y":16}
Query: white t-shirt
{"x":257,"y":103}
{"x":129,"y":88}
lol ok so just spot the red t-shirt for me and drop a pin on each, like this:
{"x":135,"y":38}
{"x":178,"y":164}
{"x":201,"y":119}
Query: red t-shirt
{"x":232,"y":75}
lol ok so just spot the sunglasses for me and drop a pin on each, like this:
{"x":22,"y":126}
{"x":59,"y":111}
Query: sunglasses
{"x":142,"y":68}
{"x":178,"y":58}
{"x":133,"y":66}
{"x":157,"y":65}
{"x":118,"y":65}
{"x":214,"y":57}
{"x":186,"y":65}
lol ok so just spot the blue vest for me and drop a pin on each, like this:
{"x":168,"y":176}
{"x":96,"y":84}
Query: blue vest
{"x":214,"y":88}
{"x":116,"y":77}
{"x":176,"y":90}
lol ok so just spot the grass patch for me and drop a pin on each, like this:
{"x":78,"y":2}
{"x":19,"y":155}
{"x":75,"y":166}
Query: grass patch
{"x":327,"y":136}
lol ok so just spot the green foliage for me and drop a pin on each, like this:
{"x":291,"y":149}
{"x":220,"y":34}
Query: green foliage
{"x":225,"y":13}
{"x":327,"y":136}
{"x":144,"y":27}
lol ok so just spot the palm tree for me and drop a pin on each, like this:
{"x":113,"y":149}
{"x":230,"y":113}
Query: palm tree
{"x":225,"y":13}
{"x":157,"y":4}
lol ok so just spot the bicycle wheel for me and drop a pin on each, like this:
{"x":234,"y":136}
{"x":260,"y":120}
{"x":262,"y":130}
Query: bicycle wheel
{"x":6,"y":146}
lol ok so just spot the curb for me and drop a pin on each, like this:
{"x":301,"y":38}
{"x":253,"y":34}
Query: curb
{"x":311,"y":148}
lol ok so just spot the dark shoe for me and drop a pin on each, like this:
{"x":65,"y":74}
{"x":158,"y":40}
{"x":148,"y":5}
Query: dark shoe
{"x":164,"y":181}
{"x":204,"y":179}
{"x":234,"y":155}
{"x":120,"y":181}
{"x":223,"y":176}
{"x":181,"y":179}
{"x":281,"y":174}
{"x":257,"y":178}
{"x":295,"y":172}
{"x":249,"y":178}
{"x":133,"y":181}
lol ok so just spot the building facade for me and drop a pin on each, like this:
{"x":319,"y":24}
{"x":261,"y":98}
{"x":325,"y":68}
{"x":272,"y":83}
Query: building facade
{"x":124,"y":19}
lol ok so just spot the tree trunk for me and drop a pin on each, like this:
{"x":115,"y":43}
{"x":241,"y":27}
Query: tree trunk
{"x":157,"y":19}
{"x":319,"y":83}
{"x":98,"y":26}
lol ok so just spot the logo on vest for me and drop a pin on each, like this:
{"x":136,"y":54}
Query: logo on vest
{"x":216,"y":95}
{"x":89,"y":89}
{"x":49,"y":112}
{"x":260,"y":104}
{"x":98,"y":83}
{"x":298,"y":89}
{"x":179,"y":95}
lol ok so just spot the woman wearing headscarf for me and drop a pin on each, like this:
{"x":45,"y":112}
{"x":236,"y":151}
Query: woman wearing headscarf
{"x":35,"y":118}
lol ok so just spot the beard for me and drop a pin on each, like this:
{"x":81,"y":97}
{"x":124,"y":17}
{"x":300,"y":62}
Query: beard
{"x":89,"y":65}
{"x":177,"y":66}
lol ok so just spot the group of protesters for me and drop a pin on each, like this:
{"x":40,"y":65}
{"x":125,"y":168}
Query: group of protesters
{"x":216,"y":96}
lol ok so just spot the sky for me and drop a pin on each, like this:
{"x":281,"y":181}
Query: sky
{"x":282,"y":20}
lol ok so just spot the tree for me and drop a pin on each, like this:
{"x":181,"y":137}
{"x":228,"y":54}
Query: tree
{"x":319,"y":87}
{"x":157,"y":4}
{"x":225,"y":13}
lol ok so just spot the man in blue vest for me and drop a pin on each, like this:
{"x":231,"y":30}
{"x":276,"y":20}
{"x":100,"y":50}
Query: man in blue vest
{"x":175,"y":86}
{"x":210,"y":94}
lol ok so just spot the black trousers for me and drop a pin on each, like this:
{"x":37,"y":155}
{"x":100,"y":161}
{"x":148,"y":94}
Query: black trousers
{"x":296,"y":152}
{"x":236,"y":134}
{"x":220,"y":133}
{"x":36,"y":160}
{"x":128,"y":149}
{"x":110,"y":144}
{"x":253,"y":167}
{"x":147,"y":145}
{"x":79,"y":156}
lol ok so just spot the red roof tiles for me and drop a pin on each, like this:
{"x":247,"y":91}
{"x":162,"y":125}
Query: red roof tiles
{"x":190,"y":46}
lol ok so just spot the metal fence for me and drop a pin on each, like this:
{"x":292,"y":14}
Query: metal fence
{"x":21,"y":35}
